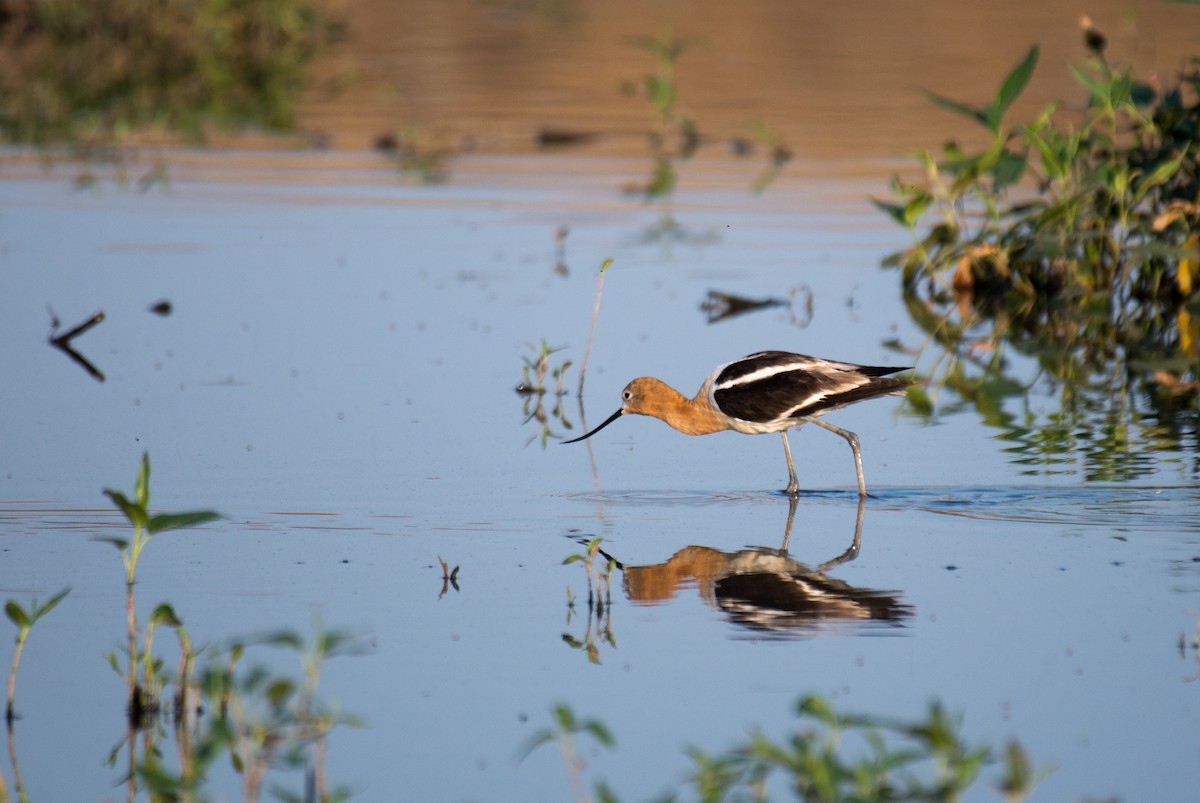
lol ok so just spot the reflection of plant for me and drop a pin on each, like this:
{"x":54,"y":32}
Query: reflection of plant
{"x":1096,"y":274}
{"x":416,"y":154}
{"x":829,"y":757}
{"x":145,"y":526}
{"x":599,"y":601}
{"x":534,"y":389}
{"x":25,"y":620}
{"x":82,"y":73}
{"x":778,"y":155}
{"x":674,"y":136}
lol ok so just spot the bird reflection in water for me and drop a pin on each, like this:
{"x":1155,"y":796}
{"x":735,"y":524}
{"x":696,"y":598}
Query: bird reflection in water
{"x":767,"y":591}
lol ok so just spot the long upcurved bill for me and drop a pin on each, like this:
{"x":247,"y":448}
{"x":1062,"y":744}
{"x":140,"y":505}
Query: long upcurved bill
{"x":611,"y":419}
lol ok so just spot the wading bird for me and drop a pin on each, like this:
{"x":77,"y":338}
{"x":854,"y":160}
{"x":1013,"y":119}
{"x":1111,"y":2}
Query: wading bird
{"x":769,"y":391}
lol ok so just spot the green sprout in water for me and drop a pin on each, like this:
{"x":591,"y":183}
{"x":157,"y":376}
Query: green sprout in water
{"x":25,"y":620}
{"x":145,"y":526}
{"x":828,"y":757}
{"x":566,"y":730}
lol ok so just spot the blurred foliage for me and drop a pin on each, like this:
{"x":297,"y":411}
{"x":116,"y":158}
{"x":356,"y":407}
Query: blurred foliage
{"x":1075,"y":240}
{"x":86,"y":73}
{"x":829,"y":756}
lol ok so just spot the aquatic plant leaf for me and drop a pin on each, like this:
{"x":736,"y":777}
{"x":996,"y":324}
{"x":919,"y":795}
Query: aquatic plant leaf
{"x":285,"y":638}
{"x":1159,"y":175}
{"x":141,"y":488}
{"x":17,"y":615}
{"x":894,"y":211}
{"x":1012,"y":87}
{"x":119,"y":543}
{"x":175,"y":521}
{"x":1009,"y":169}
{"x":919,"y":399}
{"x":135,"y":513}
{"x":38,"y":611}
{"x":279,"y":691}
{"x":600,"y":732}
{"x":818,"y":708}
{"x":975,"y":113}
{"x":1094,"y":87}
{"x":164,"y":614}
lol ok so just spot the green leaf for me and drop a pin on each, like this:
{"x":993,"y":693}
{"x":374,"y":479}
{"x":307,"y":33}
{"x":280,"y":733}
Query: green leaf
{"x":284,"y":638}
{"x":600,"y":732}
{"x":119,"y":543}
{"x":894,"y":211}
{"x":176,"y":521}
{"x":1159,"y":175}
{"x":18,"y":615}
{"x":136,"y":514}
{"x":977,"y":114}
{"x":818,"y":708}
{"x":1012,"y":87}
{"x":1093,"y":86}
{"x":919,"y":399}
{"x":38,"y":611}
{"x":141,"y":489}
{"x":164,"y":614}
{"x":1009,"y":169}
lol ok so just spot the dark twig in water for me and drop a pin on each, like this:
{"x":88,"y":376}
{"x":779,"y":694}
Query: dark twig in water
{"x":63,"y":342}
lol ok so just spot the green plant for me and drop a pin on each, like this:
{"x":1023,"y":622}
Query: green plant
{"x":145,"y":526}
{"x":97,"y":77}
{"x":828,"y":758}
{"x":564,"y":732}
{"x":778,"y":155}
{"x":261,"y":719}
{"x":418,"y":154}
{"x":835,"y":757}
{"x":25,"y":620}
{"x":1074,"y":239}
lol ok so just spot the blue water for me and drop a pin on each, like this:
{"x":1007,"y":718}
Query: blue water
{"x":337,"y":379}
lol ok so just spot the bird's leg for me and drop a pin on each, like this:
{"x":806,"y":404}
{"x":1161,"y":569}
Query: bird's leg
{"x":851,"y":439}
{"x":793,"y":484}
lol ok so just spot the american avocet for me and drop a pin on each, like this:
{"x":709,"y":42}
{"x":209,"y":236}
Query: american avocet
{"x":769,"y":391}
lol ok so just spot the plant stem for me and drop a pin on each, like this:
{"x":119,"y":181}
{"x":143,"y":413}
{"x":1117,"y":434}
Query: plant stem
{"x":12,"y":676}
{"x":587,"y":350}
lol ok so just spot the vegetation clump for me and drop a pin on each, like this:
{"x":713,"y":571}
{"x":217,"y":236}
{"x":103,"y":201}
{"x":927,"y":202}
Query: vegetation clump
{"x":1073,"y":238}
{"x":87,"y":74}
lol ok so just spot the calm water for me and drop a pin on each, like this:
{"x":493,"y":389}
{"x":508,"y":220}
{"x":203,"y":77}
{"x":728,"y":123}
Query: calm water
{"x":337,"y":378}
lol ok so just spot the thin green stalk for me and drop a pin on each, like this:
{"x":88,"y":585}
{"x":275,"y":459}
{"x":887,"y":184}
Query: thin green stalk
{"x":592,"y":331}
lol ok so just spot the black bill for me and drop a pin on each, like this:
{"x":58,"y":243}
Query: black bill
{"x":611,"y":419}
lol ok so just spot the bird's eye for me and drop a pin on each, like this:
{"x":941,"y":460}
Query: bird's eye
{"x":626,"y":395}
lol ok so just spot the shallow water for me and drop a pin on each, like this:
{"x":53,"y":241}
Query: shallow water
{"x":336,"y":377}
